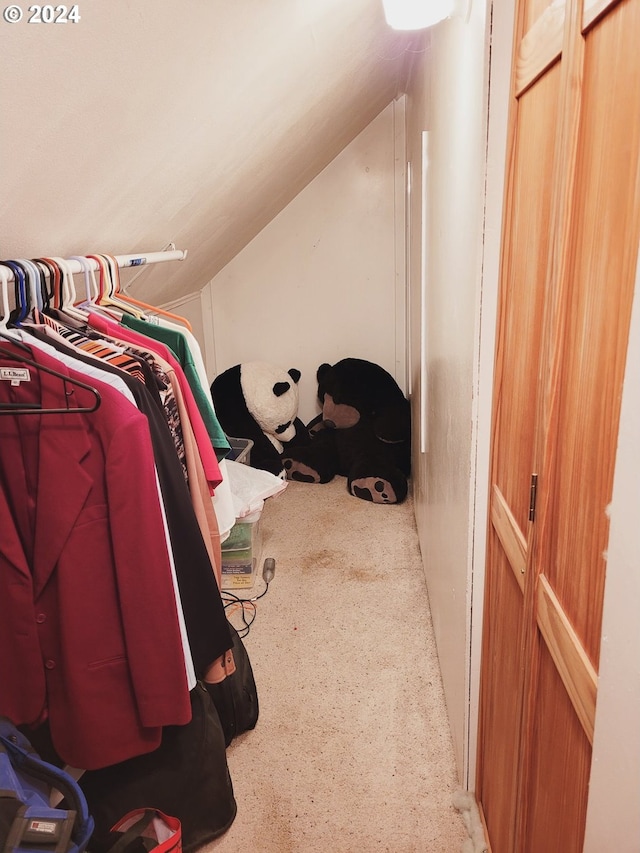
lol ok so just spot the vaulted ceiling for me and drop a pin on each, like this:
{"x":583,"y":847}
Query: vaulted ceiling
{"x":148,"y":122}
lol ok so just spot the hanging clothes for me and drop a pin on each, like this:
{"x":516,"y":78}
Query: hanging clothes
{"x":171,"y":399}
{"x":177,"y":342}
{"x":207,"y":453}
{"x":206,"y":622}
{"x":149,"y":381}
{"x":131,"y":360}
{"x":88,"y":606}
{"x":222,"y":497}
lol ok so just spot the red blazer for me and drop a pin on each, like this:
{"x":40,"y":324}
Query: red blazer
{"x":89,"y":631}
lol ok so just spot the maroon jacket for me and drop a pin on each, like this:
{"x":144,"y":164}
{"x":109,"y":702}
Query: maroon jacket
{"x":89,"y":631}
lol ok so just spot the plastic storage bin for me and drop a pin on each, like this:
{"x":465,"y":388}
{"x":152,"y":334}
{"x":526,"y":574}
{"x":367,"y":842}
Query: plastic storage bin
{"x":241,"y":553}
{"x":240,"y":449}
{"x":241,"y":550}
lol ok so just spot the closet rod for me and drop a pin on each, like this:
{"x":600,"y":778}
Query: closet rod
{"x":122,"y":261}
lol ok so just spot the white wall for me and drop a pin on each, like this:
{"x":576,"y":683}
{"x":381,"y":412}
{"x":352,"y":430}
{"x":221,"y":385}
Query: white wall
{"x":449,"y":101}
{"x":319,"y":282}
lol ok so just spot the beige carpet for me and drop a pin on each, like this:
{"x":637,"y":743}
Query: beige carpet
{"x":352,"y":751}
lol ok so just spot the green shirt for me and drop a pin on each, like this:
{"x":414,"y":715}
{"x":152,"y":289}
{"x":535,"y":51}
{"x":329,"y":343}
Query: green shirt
{"x":177,"y":342}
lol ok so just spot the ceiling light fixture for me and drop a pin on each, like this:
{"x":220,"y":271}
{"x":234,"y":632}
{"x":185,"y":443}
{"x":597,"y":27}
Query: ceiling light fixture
{"x":416,"y":14}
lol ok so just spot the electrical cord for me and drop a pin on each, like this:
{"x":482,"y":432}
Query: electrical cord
{"x":247,"y":606}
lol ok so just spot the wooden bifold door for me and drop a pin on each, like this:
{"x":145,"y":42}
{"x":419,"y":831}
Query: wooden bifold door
{"x":569,"y":254}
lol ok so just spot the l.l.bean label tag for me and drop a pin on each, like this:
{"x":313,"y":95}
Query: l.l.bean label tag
{"x":15,"y":375}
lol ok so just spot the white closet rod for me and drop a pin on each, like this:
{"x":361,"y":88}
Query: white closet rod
{"x":121,"y":260}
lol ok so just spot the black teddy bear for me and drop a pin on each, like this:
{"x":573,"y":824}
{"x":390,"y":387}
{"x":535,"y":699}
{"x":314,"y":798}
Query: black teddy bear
{"x":363,"y":433}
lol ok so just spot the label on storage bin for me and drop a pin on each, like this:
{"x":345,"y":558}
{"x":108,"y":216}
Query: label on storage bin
{"x":237,"y":569}
{"x":237,"y":575}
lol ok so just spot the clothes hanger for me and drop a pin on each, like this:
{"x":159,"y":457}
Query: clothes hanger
{"x":68,"y":291}
{"x":68,"y":383}
{"x":104,"y":300}
{"x":98,"y":304}
{"x":29,"y":284}
{"x":4,"y":279}
{"x":20,"y":290}
{"x":32,"y":274}
{"x":114,"y":289}
{"x":53,"y":277}
{"x":151,"y":309}
{"x":46,"y":275}
{"x":90,"y":283}
{"x":56,"y":280}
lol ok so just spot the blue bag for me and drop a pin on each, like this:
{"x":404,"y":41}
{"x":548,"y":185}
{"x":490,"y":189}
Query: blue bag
{"x":28,"y":823}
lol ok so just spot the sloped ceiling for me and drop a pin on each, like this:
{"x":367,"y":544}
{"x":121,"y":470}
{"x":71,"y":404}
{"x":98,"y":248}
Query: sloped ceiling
{"x":149,"y":122}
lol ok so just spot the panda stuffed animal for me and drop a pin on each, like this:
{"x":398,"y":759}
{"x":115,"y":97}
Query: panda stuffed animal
{"x":258,"y":400}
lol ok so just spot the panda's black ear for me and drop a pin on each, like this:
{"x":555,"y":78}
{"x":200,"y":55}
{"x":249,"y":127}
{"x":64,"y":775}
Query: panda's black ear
{"x":322,"y":371}
{"x":295,"y":374}
{"x":281,"y":388}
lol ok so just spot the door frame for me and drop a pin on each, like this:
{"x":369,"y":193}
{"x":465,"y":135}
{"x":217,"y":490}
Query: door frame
{"x":500,"y":26}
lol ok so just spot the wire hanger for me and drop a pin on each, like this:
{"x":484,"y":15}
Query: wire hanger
{"x":69,"y":384}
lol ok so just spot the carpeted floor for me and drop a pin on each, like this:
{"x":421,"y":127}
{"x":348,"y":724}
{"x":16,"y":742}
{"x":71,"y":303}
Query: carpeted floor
{"x":352,"y":751}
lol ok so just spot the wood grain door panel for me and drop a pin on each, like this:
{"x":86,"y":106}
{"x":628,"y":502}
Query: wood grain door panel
{"x":570,"y":240}
{"x":574,"y":667}
{"x":524,"y":272}
{"x":541,"y":44}
{"x":599,"y":285}
{"x":518,"y":355}
{"x":501,"y":708}
{"x":556,"y":801}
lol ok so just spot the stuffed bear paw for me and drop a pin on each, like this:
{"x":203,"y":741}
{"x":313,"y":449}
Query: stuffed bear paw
{"x":295,"y":470}
{"x":373,"y":489}
{"x":376,"y":481}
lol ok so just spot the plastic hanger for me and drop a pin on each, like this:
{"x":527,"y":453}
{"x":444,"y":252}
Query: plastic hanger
{"x":29,"y":284}
{"x":90,"y":283}
{"x":46,"y":275}
{"x":55,"y":280}
{"x":51,"y":276}
{"x":20,"y":292}
{"x":32,"y":273}
{"x":68,"y":291}
{"x":100,"y":304}
{"x":105,"y":284}
{"x":114,"y":288}
{"x":4,"y":280}
{"x":151,"y":309}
